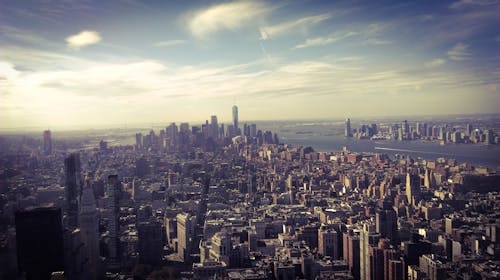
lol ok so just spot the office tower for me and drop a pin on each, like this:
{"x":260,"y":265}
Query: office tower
{"x":351,"y":252}
{"x":348,"y":128}
{"x":395,"y":270}
{"x":185,"y":235}
{"x":172,"y":134}
{"x":47,"y":142}
{"x":405,"y":126}
{"x":389,"y":255}
{"x":468,"y":129}
{"x":376,"y":263}
{"x":138,"y":141}
{"x":374,"y":129}
{"x":75,"y":258}
{"x":89,"y":231}
{"x":252,"y":183}
{"x":386,"y":224}
{"x":221,"y":247}
{"x":73,"y":189}
{"x":429,"y":131}
{"x":328,"y":242}
{"x":112,"y":195}
{"x":424,"y":129}
{"x":214,"y":127}
{"x":489,"y":136}
{"x":367,"y":238}
{"x":253,"y":130}
{"x":40,"y":245}
{"x":235,"y":118}
{"x":433,"y":266}
{"x":150,"y":244}
{"x":412,"y":188}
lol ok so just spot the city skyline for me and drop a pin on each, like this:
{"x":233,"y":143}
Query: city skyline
{"x":149,"y":62}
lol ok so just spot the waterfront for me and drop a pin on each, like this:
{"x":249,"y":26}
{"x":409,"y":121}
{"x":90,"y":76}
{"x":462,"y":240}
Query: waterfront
{"x":327,"y":136}
{"x":476,"y":154}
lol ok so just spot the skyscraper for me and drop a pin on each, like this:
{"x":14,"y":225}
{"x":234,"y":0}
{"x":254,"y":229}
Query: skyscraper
{"x":73,"y":189}
{"x":348,"y":128}
{"x":113,"y":215}
{"x":185,"y":235}
{"x":367,"y":238}
{"x":47,"y":142}
{"x":150,"y":243}
{"x":214,"y":127}
{"x":89,"y":229}
{"x":39,"y":238}
{"x":328,"y":242}
{"x":412,"y":188}
{"x":235,"y":118}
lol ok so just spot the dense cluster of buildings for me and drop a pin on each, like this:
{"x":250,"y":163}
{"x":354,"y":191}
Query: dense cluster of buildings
{"x":215,"y":202}
{"x":461,"y":133}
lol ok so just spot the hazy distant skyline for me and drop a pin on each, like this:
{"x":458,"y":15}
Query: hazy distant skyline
{"x":88,"y":63}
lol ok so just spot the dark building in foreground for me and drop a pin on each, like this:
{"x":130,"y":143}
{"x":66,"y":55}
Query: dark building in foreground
{"x":150,"y":243}
{"x":39,"y":239}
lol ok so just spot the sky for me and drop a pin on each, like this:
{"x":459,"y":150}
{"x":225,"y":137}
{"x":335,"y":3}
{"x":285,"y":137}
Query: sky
{"x":68,"y":63}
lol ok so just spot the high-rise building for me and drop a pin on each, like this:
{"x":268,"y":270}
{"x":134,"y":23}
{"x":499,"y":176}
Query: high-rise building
{"x":395,"y":270}
{"x":253,"y":130}
{"x":351,"y":248}
{"x":235,"y":117}
{"x":89,"y":230}
{"x":47,"y":142}
{"x":185,"y":235}
{"x":138,"y":141}
{"x":348,"y":128}
{"x":73,"y":189}
{"x":40,"y":245}
{"x":328,"y":242}
{"x":468,"y":129}
{"x":172,"y":133}
{"x":367,"y":238}
{"x":376,"y":259}
{"x":386,"y":224}
{"x":214,"y":127}
{"x":434,"y":267}
{"x":412,"y":188}
{"x":113,"y":216}
{"x":150,"y":244}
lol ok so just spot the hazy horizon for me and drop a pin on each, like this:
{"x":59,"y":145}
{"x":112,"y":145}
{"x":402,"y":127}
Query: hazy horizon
{"x":67,"y":64}
{"x":162,"y":124}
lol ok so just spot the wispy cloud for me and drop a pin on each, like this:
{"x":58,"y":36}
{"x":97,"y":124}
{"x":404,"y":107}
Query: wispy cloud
{"x":304,"y":23}
{"x":169,"y":43}
{"x":459,"y":52}
{"x":25,"y":37}
{"x":321,"y":41}
{"x":467,"y":3}
{"x":227,"y":16}
{"x":435,"y":63}
{"x":83,"y":39}
{"x":54,"y":91}
{"x":376,"y":42}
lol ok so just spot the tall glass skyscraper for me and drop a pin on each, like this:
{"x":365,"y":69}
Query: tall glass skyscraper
{"x":348,"y":128}
{"x":235,"y":117}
